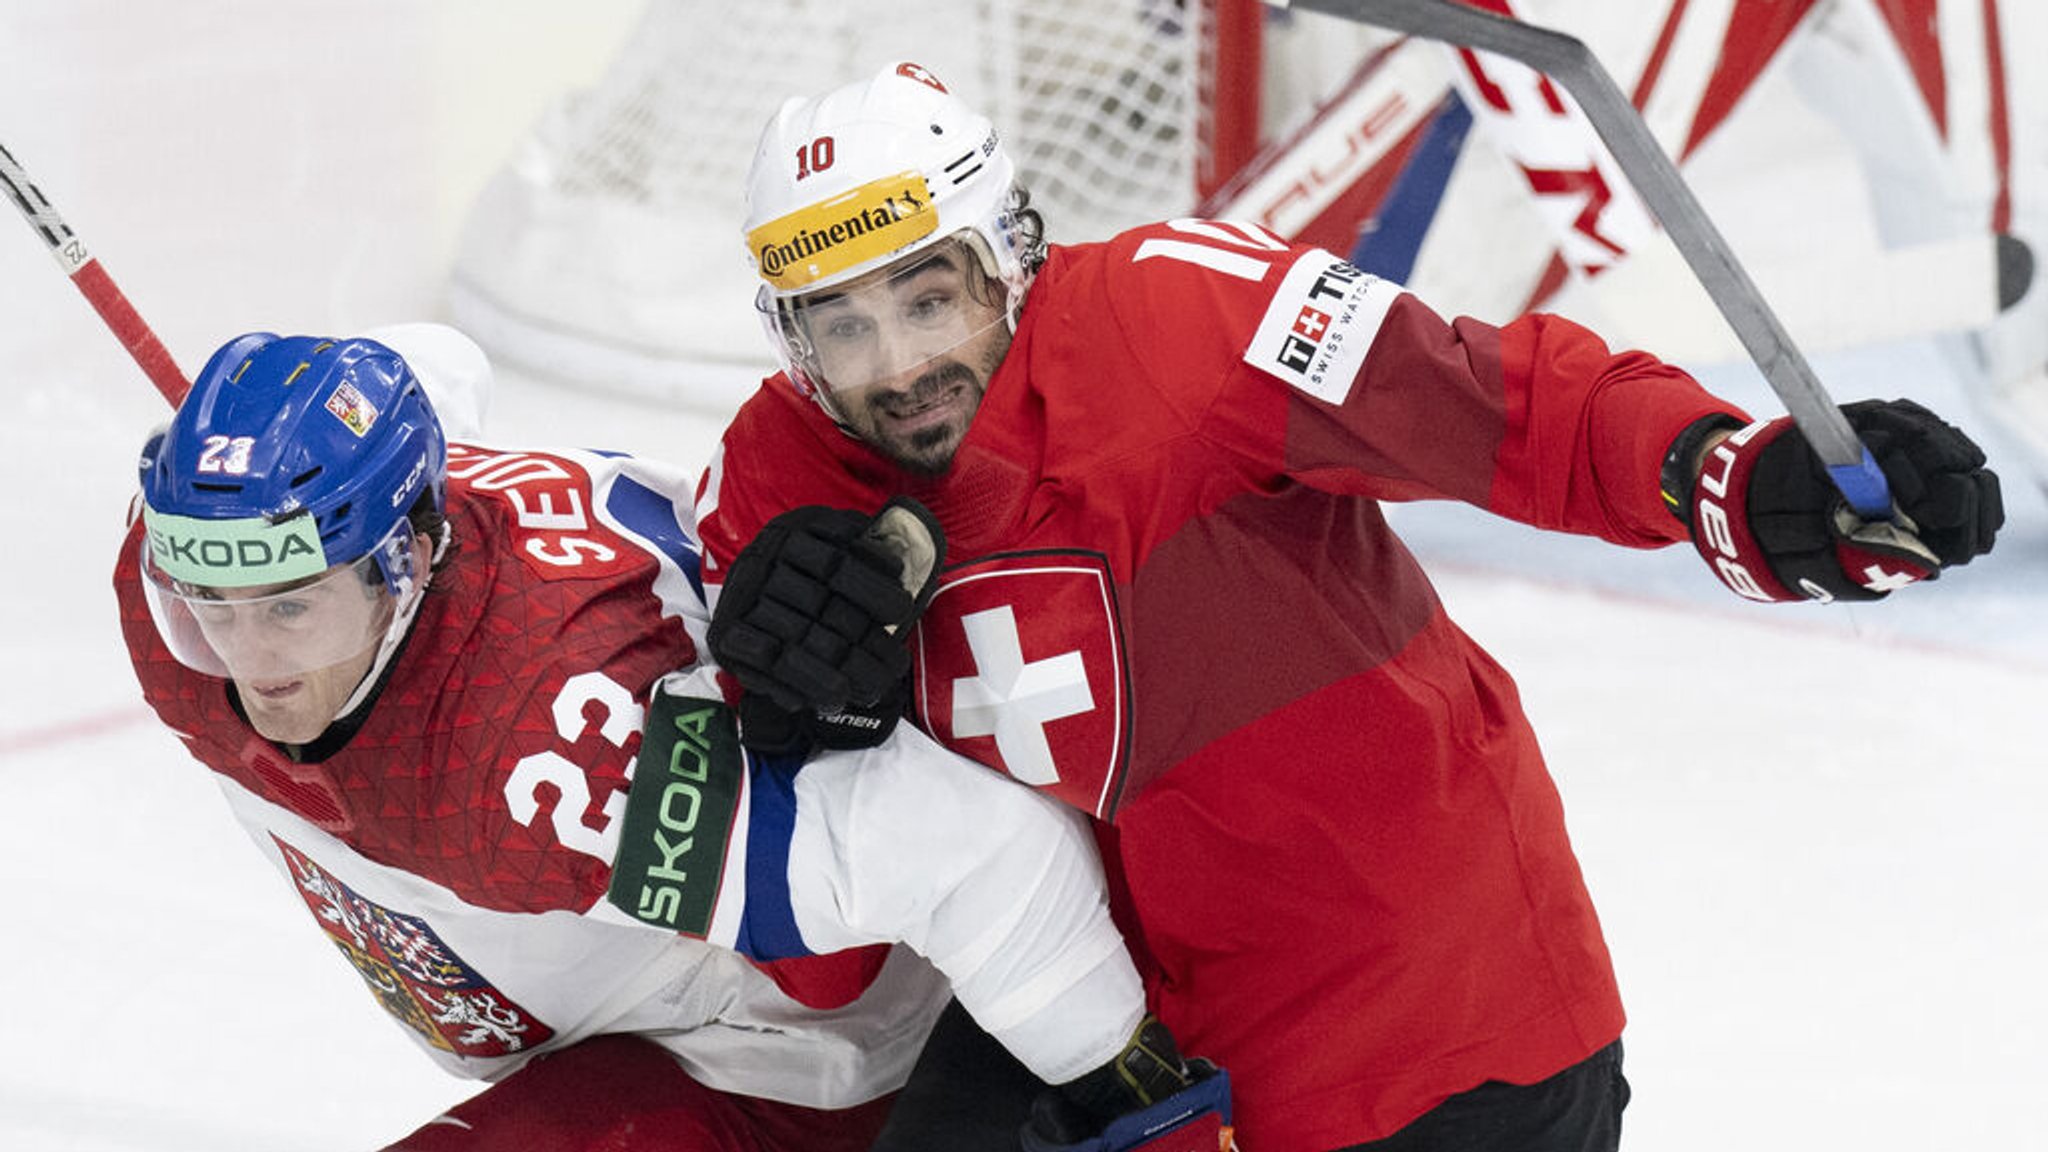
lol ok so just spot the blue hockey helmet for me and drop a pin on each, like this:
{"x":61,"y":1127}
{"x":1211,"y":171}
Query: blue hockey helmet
{"x":291,"y":456}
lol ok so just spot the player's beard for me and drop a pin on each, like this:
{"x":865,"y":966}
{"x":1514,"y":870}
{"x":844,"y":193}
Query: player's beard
{"x":946,"y":394}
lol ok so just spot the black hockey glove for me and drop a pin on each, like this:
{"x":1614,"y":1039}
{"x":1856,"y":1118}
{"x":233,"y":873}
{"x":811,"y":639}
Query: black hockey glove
{"x":1146,"y":1099}
{"x":769,"y":729}
{"x":1769,"y":521}
{"x":812,"y":617}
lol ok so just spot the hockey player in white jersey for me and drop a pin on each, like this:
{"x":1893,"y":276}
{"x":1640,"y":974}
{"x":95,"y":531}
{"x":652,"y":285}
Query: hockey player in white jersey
{"x":425,"y":671}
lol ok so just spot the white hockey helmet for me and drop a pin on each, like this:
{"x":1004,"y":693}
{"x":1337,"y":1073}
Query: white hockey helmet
{"x":864,"y":177}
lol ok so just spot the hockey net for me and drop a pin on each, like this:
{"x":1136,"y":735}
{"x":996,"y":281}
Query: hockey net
{"x":606,"y":253}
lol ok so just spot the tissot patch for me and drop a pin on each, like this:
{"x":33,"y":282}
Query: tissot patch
{"x":1320,"y":324}
{"x":411,"y":972}
{"x":1020,"y":665}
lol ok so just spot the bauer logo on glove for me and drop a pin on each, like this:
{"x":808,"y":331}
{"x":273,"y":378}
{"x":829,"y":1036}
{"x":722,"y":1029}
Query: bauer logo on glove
{"x":1767,"y":519}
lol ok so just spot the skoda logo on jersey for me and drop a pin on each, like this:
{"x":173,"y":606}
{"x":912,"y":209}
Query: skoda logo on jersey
{"x":1020,"y":665}
{"x":688,"y":794}
{"x":237,"y":553}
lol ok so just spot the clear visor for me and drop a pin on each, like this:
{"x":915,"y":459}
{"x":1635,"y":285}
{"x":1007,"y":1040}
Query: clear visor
{"x":890,"y":327}
{"x":271,"y":632}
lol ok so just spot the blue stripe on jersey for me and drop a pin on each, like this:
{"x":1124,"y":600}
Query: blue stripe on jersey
{"x":768,"y":928}
{"x":650,"y":516}
{"x":1389,"y":247}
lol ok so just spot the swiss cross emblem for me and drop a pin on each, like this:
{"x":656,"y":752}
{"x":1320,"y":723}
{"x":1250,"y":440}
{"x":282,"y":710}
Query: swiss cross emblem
{"x":1312,"y":323}
{"x":921,"y":74}
{"x":1020,"y":665}
{"x":411,"y":972}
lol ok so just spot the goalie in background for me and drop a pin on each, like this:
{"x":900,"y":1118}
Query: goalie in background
{"x":1173,"y":601}
{"x":423,"y":672}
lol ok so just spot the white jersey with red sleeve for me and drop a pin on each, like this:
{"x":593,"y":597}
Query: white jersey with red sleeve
{"x":458,"y":848}
{"x":1172,"y":600}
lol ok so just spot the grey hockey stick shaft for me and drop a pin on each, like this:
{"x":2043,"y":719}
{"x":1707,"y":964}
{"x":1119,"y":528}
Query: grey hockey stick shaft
{"x":99,"y":289}
{"x":1567,"y":60}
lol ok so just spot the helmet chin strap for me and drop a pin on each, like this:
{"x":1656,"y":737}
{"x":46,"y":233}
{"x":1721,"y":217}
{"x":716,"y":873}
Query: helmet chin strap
{"x":400,"y":626}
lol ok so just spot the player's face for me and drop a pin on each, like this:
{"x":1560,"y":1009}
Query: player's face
{"x":296,"y":651}
{"x":907,"y":354}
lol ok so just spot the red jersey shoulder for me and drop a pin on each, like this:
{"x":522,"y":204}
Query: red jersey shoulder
{"x":531,"y":714}
{"x":1188,"y":277}
{"x":781,"y":451}
{"x":562,"y":586}
{"x":494,"y":760}
{"x":546,"y":504}
{"x":1172,"y":304}
{"x":1193,"y":299}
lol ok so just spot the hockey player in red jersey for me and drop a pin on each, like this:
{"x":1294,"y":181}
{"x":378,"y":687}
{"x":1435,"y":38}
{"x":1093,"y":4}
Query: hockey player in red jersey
{"x":424,"y":673}
{"x":1173,"y":600}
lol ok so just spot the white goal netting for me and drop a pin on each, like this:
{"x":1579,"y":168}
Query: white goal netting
{"x":606,"y":254}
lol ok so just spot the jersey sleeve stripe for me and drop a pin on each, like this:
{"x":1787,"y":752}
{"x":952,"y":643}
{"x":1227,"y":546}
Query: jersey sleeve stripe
{"x":768,"y":930}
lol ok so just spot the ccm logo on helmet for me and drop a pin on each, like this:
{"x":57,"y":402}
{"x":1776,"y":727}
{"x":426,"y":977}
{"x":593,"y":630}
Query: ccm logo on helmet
{"x":404,"y":493}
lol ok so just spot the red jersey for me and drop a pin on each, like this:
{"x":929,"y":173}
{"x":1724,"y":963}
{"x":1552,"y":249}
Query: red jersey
{"x":458,"y":847}
{"x":1172,"y":600}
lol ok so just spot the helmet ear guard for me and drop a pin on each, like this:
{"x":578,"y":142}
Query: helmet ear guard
{"x":396,"y":561}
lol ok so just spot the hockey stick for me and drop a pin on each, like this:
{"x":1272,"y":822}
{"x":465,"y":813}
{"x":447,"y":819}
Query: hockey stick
{"x":1567,"y":60}
{"x":99,"y":289}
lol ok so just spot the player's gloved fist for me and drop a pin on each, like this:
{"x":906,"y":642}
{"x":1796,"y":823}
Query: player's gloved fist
{"x":813,"y":609}
{"x":769,"y":729}
{"x":1146,"y":1099}
{"x":1769,"y":521}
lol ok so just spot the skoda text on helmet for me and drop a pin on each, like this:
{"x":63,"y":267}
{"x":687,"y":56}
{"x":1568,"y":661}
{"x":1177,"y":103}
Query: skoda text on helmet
{"x":865,"y":178}
{"x":277,"y":505}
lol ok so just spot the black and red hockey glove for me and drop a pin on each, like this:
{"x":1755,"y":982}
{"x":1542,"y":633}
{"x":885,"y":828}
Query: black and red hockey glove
{"x":1145,"y":1099}
{"x":812,"y":617}
{"x":1769,"y":521}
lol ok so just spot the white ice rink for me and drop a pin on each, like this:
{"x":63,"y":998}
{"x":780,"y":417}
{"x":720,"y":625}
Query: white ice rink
{"x":1815,"y":835}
